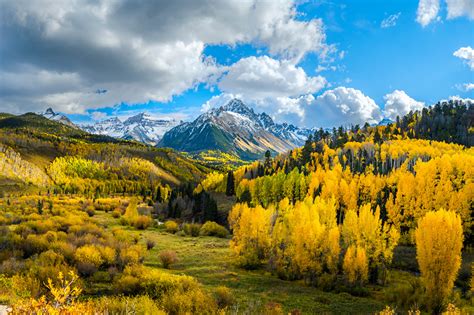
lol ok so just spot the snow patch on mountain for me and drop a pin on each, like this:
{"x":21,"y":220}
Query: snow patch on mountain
{"x":142,"y":127}
{"x":51,"y":115}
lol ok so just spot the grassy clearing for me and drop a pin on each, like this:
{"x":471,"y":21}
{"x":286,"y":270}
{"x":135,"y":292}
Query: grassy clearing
{"x":210,"y":261}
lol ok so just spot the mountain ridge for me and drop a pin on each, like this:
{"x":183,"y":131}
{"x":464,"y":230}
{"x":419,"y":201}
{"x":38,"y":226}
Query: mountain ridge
{"x":235,"y":128}
{"x":141,"y":127}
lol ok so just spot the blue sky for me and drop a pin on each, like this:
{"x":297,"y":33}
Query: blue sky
{"x":332,"y":62}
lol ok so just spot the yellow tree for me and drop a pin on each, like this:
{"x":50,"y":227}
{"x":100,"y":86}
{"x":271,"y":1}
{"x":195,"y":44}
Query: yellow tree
{"x":355,"y":265}
{"x":251,"y":240}
{"x":439,"y":238}
{"x":367,"y":231}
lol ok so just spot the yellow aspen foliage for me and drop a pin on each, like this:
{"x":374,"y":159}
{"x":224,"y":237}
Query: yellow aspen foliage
{"x":251,"y":240}
{"x":367,"y":231}
{"x":131,"y":213}
{"x":355,"y":265}
{"x":439,"y":238}
{"x":295,"y":256}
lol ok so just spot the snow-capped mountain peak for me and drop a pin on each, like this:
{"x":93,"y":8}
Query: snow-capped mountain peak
{"x":51,"y":115}
{"x":141,"y":127}
{"x":235,"y":127}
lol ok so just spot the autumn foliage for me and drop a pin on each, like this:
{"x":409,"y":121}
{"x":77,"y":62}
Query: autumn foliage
{"x":439,"y":240}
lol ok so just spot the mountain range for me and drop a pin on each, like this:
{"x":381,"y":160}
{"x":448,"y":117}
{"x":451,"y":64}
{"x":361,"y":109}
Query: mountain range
{"x":142,"y":127}
{"x":235,"y":128}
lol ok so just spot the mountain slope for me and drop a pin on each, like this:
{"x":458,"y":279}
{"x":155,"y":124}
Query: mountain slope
{"x":234,"y":128}
{"x":141,"y":127}
{"x":51,"y":115}
{"x":30,"y":145}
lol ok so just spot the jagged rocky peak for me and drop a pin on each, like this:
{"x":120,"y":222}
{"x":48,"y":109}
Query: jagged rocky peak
{"x":237,"y":106}
{"x":50,"y":114}
{"x":138,"y":118}
{"x":266,"y":120}
{"x":49,"y":111}
{"x":236,"y":128}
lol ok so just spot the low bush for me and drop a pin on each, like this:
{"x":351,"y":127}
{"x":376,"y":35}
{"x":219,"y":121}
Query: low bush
{"x":127,"y":305}
{"x":192,"y":229}
{"x":150,"y":244}
{"x":117,"y":213}
{"x":90,"y":210}
{"x":407,"y":296}
{"x":171,"y":227}
{"x":224,"y":297}
{"x":142,"y":222}
{"x":213,"y":229}
{"x":175,"y":294}
{"x":168,"y":258}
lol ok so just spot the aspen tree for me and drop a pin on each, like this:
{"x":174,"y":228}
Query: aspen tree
{"x":439,"y":240}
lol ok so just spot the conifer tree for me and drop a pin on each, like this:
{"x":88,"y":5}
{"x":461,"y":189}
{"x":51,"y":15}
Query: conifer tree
{"x":230,"y":189}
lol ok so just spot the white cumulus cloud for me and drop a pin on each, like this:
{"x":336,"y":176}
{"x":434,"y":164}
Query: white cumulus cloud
{"x":263,"y":77}
{"x":398,"y":103}
{"x":341,"y":106}
{"x":457,"y":8}
{"x":137,"y":51}
{"x":428,"y":10}
{"x":468,"y":86}
{"x":466,"y":54}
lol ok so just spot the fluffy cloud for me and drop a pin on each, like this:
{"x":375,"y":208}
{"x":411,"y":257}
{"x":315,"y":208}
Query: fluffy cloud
{"x":467,"y":54}
{"x":457,"y":8}
{"x":263,"y":77}
{"x":341,"y":106}
{"x":390,"y":21}
{"x":137,"y":52}
{"x":398,"y":103}
{"x":468,"y":86}
{"x":428,"y":10}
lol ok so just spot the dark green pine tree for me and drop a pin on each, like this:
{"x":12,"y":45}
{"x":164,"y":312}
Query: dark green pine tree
{"x":307,"y":149}
{"x":230,"y":189}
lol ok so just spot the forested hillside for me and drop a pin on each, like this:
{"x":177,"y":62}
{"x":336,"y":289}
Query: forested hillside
{"x":55,"y":157}
{"x":357,"y":195}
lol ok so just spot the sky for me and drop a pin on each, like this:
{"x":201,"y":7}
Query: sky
{"x":312,"y":63}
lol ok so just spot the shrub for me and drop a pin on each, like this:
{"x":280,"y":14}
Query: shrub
{"x":194,"y":301}
{"x":117,"y":213}
{"x":171,"y":227}
{"x":127,"y":305}
{"x":90,"y":210}
{"x":224,"y":297}
{"x":150,"y":244}
{"x":131,"y":255}
{"x":142,"y":222}
{"x":168,"y":258}
{"x":406,"y":296}
{"x":89,"y":254}
{"x":127,"y":284}
{"x":213,"y":229}
{"x":192,"y":229}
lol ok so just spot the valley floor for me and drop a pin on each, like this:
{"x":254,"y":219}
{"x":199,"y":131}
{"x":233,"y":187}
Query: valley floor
{"x":210,"y":261}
